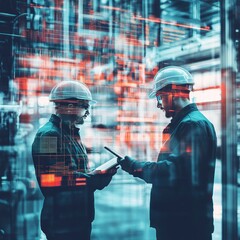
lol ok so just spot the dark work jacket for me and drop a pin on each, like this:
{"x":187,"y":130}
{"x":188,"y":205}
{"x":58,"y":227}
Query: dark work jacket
{"x":183,"y":176}
{"x":61,"y":163}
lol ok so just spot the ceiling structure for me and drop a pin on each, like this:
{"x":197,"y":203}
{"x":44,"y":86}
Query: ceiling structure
{"x":199,"y":22}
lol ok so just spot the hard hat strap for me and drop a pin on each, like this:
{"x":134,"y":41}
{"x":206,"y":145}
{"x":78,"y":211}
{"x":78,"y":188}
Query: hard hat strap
{"x":76,"y":104}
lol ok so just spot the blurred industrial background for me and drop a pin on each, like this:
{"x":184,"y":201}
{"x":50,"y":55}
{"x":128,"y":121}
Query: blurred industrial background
{"x":115,"y":47}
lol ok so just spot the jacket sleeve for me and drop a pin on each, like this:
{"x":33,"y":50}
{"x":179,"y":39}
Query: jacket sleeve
{"x":151,"y":172}
{"x":99,"y":181}
{"x":185,"y":162}
{"x":55,"y":167}
{"x":45,"y":155}
{"x":53,"y":162}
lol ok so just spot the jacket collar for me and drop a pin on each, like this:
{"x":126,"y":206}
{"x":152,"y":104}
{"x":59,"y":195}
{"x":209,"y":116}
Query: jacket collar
{"x":60,"y":124}
{"x":182,"y":113}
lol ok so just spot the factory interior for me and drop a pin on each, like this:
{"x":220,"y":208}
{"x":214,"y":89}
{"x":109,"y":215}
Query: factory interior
{"x":115,"y":47}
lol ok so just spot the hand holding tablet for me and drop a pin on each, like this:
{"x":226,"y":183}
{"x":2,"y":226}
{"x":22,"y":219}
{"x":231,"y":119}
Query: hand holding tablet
{"x":112,"y":163}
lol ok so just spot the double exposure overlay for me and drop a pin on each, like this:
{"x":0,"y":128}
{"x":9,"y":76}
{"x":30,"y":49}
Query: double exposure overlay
{"x":88,"y":67}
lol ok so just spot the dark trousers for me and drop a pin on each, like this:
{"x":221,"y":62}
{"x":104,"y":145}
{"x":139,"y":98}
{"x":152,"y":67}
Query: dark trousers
{"x":82,"y":233}
{"x":171,"y":233}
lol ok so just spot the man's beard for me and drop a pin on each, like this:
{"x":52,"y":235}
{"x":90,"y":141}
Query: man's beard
{"x":169,"y":113}
{"x":79,"y":120}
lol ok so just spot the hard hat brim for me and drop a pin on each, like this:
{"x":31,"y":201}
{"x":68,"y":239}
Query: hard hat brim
{"x":170,"y":75}
{"x":92,"y":102}
{"x":152,"y":94}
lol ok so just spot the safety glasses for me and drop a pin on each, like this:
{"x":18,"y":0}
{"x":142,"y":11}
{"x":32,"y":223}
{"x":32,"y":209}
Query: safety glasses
{"x":159,"y":99}
{"x":84,"y":106}
{"x":79,"y":105}
{"x":160,"y":96}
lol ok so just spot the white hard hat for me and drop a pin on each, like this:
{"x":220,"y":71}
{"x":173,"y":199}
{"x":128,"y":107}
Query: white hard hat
{"x":171,"y":75}
{"x":71,"y":90}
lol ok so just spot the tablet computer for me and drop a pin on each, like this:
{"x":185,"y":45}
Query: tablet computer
{"x":113,"y":162}
{"x":107,"y":165}
{"x":113,"y":152}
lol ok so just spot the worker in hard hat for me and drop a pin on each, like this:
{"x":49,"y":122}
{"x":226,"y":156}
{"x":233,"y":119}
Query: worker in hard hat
{"x":61,"y":165}
{"x":182,"y":178}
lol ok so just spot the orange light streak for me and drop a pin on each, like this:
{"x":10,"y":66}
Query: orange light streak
{"x":135,"y":119}
{"x":207,"y":28}
{"x":49,"y":7}
{"x":80,"y":182}
{"x":50,"y":180}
